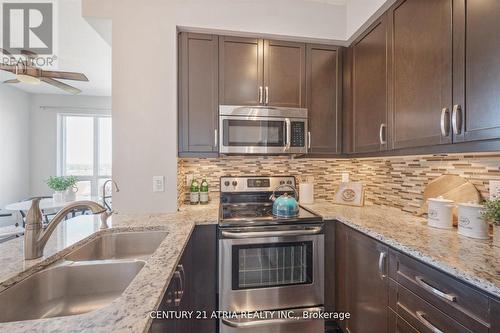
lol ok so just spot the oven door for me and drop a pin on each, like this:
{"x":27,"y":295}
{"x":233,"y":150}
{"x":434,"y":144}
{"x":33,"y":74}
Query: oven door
{"x":262,"y":135}
{"x":262,"y":268}
{"x":288,"y":321}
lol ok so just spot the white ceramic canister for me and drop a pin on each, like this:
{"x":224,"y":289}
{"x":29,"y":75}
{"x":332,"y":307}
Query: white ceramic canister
{"x":470,"y":221}
{"x":440,"y":213}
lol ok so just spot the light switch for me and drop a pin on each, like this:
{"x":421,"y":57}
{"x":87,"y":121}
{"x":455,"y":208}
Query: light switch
{"x":158,"y":184}
{"x":494,"y":189}
{"x":345,"y":177}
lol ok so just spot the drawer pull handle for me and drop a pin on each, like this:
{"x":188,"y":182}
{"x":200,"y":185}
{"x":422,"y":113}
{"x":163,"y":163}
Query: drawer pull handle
{"x":381,"y":265}
{"x":426,"y":323}
{"x":437,"y":292}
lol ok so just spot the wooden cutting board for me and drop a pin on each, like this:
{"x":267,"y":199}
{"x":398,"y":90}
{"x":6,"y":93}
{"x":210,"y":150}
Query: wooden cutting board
{"x":450,"y":187}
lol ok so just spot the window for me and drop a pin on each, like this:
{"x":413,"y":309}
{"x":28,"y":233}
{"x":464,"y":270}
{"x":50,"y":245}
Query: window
{"x":84,"y":145}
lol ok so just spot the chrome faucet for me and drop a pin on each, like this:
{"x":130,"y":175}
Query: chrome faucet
{"x":35,"y":237}
{"x":117,"y":189}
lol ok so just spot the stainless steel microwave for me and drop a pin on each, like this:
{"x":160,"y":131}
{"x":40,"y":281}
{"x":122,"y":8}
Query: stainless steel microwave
{"x":262,"y":130}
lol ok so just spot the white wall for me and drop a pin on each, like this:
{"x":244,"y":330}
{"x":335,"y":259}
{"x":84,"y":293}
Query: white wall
{"x":14,"y":145}
{"x":145,"y":97}
{"x":43,"y":142}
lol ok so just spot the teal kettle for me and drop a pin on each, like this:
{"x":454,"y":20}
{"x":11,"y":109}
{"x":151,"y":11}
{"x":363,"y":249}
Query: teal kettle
{"x":285,"y":205}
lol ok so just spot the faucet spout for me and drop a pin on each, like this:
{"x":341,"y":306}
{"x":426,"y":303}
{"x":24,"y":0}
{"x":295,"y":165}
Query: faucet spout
{"x":35,"y":238}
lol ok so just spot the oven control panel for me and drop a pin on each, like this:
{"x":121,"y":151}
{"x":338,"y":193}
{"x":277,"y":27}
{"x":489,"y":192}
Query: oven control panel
{"x":254,"y":184}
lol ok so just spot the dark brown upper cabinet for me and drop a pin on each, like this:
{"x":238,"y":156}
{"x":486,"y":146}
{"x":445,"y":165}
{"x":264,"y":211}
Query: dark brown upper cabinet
{"x":324,"y":98}
{"x":198,"y":100}
{"x":261,"y":72}
{"x":422,"y":72}
{"x":476,"y":110}
{"x":370,"y":89}
{"x":241,"y":68}
{"x":284,"y":74}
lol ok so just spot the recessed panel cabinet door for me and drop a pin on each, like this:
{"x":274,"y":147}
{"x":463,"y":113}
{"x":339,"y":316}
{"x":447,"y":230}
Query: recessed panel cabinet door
{"x":198,"y":100}
{"x":422,"y":69}
{"x":241,"y":68}
{"x":369,"y":79}
{"x":476,"y":113}
{"x":324,"y":98}
{"x":366,"y":284}
{"x":284,"y":74}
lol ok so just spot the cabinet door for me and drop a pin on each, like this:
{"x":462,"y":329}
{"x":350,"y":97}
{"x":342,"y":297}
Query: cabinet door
{"x":341,"y":292}
{"x":476,"y":69}
{"x":167,"y":304}
{"x":284,"y":74}
{"x":198,"y":100}
{"x":422,"y":72}
{"x":367,"y":284}
{"x":369,"y":80}
{"x":241,"y":68}
{"x":324,"y":99}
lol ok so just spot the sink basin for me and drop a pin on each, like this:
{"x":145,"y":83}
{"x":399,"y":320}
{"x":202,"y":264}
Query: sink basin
{"x":122,"y":245}
{"x":67,"y":289}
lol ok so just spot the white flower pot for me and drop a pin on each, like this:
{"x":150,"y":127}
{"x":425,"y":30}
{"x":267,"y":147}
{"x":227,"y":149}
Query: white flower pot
{"x":70,"y":194}
{"x":496,"y":235}
{"x":59,"y":196}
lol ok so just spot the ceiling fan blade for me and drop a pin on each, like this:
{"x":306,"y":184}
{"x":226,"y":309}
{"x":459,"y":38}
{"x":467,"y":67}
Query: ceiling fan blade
{"x":65,"y":75}
{"x":12,"y":81}
{"x":8,"y":68}
{"x":29,"y":54}
{"x":60,"y":85}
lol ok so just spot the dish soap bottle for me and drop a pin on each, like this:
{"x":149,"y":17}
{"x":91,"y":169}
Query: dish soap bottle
{"x":204,"y":192}
{"x":194,"y":197}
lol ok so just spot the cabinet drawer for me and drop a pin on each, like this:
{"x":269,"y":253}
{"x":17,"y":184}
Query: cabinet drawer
{"x":460,"y":301}
{"x":422,"y":315}
{"x":398,"y":324}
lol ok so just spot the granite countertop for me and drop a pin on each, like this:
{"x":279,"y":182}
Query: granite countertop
{"x":129,"y":312}
{"x":474,"y":261}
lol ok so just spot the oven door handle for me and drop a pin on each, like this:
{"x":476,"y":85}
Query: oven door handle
{"x":280,"y":233}
{"x":261,"y":322}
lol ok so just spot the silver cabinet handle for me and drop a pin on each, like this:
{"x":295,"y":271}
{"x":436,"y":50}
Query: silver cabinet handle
{"x":267,"y":95}
{"x":381,"y":134}
{"x":178,"y":294}
{"x":426,"y":323}
{"x":216,"y":138}
{"x":308,"y":140}
{"x":261,"y":95}
{"x":381,"y":265}
{"x":445,"y":130}
{"x":456,"y":119}
{"x":432,"y":290}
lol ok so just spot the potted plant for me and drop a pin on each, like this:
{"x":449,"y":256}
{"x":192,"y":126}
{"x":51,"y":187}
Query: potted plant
{"x":491,"y":213}
{"x":60,"y":186}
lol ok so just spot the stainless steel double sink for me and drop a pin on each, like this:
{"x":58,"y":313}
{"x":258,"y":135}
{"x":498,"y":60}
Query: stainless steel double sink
{"x":87,"y":279}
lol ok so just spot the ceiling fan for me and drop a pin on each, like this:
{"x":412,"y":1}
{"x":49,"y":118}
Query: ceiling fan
{"x":26,"y":72}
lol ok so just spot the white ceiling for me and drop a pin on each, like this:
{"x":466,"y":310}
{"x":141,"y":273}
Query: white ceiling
{"x":80,"y":49}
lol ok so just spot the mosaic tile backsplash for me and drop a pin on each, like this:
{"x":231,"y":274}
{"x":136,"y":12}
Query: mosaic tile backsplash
{"x":395,"y":181}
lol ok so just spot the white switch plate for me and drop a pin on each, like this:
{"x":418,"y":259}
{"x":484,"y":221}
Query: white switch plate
{"x":345,"y":177}
{"x":158,"y":184}
{"x":189,"y":179}
{"x":494,"y":189}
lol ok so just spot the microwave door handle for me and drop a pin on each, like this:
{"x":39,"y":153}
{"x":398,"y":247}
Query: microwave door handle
{"x":288,"y":134}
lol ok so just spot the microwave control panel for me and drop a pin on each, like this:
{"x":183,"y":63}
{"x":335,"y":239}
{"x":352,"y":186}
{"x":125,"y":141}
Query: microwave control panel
{"x":298,"y":134}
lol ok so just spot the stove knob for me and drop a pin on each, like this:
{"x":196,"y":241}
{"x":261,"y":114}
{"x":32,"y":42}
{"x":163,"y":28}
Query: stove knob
{"x":235,"y":183}
{"x":282,"y":182}
{"x":289,"y":182}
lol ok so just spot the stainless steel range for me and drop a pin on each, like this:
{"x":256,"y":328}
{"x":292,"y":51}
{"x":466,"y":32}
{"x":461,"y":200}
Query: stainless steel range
{"x":268,"y":263}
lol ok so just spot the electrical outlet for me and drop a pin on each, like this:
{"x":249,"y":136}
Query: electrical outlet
{"x":158,"y":184}
{"x":494,"y":189}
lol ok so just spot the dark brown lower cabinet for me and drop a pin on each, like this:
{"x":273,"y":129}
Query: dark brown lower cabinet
{"x":365,"y":282}
{"x":193,"y":286}
{"x":385,"y":290}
